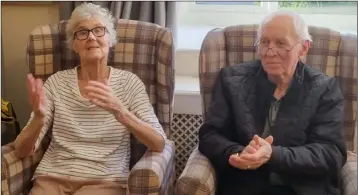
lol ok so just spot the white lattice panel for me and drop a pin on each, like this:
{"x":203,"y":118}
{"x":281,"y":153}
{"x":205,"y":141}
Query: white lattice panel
{"x":185,"y":136}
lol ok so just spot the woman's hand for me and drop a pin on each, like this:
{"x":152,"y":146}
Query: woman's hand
{"x":26,"y":140}
{"x":36,"y":96}
{"x":101,"y":94}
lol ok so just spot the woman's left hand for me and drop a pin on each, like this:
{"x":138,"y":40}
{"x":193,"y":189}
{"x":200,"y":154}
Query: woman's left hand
{"x":101,"y":94}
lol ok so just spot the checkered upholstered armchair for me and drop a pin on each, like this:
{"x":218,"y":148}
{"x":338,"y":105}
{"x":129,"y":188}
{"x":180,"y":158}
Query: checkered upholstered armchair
{"x":332,"y":52}
{"x":143,"y":48}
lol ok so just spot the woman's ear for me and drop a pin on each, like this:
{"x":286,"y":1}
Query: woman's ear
{"x":74,"y":48}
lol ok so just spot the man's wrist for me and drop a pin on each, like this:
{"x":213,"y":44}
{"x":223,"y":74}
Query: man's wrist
{"x":275,"y":156}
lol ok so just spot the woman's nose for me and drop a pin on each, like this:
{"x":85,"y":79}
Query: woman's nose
{"x":91,"y":36}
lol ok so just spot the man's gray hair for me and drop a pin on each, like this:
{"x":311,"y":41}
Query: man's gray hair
{"x":299,"y":24}
{"x":87,"y":11}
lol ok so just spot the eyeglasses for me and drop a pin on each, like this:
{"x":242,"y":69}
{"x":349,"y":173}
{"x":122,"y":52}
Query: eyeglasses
{"x":281,"y":49}
{"x":97,"y":31}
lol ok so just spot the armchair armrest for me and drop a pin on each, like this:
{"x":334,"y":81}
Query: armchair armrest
{"x":349,"y":175}
{"x":154,"y":173}
{"x":16,"y":173}
{"x":198,"y":176}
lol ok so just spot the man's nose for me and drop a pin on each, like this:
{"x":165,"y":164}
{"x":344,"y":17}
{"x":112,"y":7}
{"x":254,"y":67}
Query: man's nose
{"x":271,"y":52}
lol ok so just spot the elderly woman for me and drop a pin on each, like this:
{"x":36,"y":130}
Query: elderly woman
{"x":93,"y":108}
{"x":275,"y":124}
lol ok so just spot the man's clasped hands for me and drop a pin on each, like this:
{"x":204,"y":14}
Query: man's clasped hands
{"x":254,"y":155}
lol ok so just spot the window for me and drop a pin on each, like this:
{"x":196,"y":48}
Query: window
{"x":229,"y":2}
{"x":195,"y":19}
{"x":320,"y":7}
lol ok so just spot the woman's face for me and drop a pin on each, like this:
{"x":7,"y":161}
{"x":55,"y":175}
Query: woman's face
{"x":91,"y":40}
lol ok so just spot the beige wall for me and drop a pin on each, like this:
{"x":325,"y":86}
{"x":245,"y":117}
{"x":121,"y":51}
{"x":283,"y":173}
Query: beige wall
{"x":18,"y":19}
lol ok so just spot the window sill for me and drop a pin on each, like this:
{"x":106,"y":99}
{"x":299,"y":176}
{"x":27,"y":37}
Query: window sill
{"x":187,"y":62}
{"x":187,"y":98}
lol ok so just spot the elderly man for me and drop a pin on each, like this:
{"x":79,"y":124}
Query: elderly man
{"x":275,"y":124}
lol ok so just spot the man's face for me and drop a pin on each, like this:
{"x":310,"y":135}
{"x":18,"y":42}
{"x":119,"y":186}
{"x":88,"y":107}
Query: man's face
{"x":280,"y":47}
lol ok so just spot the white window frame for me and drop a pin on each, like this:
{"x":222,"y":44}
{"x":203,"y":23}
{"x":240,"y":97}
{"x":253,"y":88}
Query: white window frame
{"x":189,"y":12}
{"x":265,"y":6}
{"x":188,"y":43}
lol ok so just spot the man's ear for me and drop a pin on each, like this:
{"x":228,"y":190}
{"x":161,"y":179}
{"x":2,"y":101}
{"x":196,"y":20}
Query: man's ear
{"x":110,"y":42}
{"x":305,"y":47}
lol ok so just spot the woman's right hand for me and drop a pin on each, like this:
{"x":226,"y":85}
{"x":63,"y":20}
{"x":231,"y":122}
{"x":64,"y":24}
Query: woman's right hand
{"x":36,"y":96}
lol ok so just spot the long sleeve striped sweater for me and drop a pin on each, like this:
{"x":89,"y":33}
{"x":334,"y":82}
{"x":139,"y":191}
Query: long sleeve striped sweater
{"x":87,"y":141}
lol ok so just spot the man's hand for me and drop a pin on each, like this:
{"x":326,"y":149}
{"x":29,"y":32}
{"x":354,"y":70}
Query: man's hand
{"x":251,"y":157}
{"x":263,"y":154}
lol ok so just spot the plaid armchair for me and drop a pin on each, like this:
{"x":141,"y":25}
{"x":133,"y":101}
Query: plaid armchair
{"x":143,"y":48}
{"x":333,"y":53}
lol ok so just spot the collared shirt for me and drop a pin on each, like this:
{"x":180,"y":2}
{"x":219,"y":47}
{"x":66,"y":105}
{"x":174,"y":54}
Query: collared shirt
{"x":270,"y":121}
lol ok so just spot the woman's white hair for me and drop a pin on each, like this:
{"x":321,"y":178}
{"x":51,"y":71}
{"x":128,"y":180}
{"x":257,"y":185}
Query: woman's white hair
{"x":299,"y":24}
{"x":87,"y":11}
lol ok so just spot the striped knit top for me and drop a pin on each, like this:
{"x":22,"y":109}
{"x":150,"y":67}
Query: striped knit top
{"x":87,"y":141}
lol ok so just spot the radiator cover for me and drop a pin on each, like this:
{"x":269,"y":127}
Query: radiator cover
{"x":185,"y":137}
